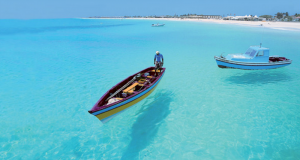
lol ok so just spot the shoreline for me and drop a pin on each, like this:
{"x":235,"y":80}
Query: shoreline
{"x":292,"y":26}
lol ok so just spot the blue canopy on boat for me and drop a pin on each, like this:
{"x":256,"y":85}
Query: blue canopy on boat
{"x":253,"y":54}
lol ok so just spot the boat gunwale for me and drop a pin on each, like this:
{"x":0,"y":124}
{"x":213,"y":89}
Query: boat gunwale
{"x":127,"y":98}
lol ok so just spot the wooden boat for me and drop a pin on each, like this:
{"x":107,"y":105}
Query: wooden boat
{"x":256,"y":57}
{"x":127,"y":93}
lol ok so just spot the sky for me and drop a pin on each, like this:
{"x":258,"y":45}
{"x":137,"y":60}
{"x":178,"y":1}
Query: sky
{"x":38,"y":9}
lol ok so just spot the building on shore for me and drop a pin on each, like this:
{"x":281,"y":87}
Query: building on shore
{"x":244,"y":18}
{"x":295,"y":18}
{"x":201,"y":16}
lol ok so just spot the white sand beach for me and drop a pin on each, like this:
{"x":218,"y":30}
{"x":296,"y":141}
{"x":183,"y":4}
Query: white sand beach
{"x":267,"y":24}
{"x":294,"y":26}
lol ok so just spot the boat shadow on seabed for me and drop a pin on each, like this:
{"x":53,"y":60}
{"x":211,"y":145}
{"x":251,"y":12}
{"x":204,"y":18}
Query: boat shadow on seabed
{"x":147,"y":124}
{"x":259,"y":77}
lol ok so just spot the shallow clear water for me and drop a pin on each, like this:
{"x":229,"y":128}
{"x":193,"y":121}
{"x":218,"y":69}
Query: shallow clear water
{"x":53,"y":71}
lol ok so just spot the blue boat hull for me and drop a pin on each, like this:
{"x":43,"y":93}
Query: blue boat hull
{"x":250,"y":66}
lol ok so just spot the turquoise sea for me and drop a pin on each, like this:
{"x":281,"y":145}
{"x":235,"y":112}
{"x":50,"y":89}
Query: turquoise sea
{"x":54,"y":70}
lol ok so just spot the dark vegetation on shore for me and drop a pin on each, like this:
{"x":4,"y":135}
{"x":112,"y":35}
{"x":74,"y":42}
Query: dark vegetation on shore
{"x":282,"y":16}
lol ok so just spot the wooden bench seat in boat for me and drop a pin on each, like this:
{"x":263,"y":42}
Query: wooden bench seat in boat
{"x":149,"y":76}
{"x":130,"y":91}
{"x":130,"y":88}
{"x":142,"y":81}
{"x":154,"y":70}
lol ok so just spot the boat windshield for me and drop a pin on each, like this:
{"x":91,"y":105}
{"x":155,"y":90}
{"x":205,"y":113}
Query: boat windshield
{"x":250,"y":52}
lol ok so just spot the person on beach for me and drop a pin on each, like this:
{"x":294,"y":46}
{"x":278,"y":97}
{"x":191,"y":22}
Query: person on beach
{"x":158,"y":60}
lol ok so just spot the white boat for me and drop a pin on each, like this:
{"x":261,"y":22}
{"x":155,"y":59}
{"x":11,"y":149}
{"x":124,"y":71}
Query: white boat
{"x":256,"y":57}
{"x":157,"y":25}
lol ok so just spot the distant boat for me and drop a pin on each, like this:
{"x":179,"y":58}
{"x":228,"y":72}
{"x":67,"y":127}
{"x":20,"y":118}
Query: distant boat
{"x":256,"y":57}
{"x":158,"y":25}
{"x":127,"y":93}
